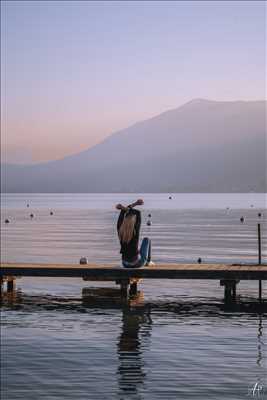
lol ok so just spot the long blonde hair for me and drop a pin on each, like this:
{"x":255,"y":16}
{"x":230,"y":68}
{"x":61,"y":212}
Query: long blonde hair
{"x":127,"y":228}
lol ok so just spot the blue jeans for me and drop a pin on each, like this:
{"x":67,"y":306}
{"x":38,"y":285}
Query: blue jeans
{"x":144,"y":256}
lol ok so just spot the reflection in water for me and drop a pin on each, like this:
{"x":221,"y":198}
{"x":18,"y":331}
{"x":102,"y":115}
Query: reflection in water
{"x":135,"y":334}
{"x":117,"y":333}
{"x":10,"y":298}
{"x":260,"y":381}
{"x":110,"y":298}
{"x":260,"y":342}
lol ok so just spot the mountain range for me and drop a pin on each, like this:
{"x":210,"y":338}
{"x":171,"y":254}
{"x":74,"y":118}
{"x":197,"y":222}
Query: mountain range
{"x":202,"y":146}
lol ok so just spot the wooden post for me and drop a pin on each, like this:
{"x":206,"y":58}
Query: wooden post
{"x":124,"y":288}
{"x":259,"y":260}
{"x":229,"y":290}
{"x":259,"y":244}
{"x":1,"y":286}
{"x":260,"y":292}
{"x":133,"y":288}
{"x":10,"y":284}
{"x":234,"y":292}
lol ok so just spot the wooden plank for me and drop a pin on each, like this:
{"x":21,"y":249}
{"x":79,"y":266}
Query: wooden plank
{"x":160,"y":271}
{"x":110,"y":266}
{"x":170,"y":266}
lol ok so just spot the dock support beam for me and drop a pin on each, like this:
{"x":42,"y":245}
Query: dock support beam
{"x":1,"y":286}
{"x":10,"y":284}
{"x":260,"y":291}
{"x":133,"y":289}
{"x":234,"y":283}
{"x":229,"y":290}
{"x":124,"y":288}
{"x":128,"y":287}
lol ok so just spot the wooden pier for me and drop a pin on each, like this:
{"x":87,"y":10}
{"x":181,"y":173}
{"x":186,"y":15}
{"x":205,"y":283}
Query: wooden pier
{"x":228,"y":275}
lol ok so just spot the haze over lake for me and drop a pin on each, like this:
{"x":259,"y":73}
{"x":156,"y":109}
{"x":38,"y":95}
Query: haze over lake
{"x":202,"y":146}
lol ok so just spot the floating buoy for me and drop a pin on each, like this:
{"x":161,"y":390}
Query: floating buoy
{"x":51,"y":213}
{"x":31,"y":215}
{"x":242,"y":219}
{"x":148,"y":223}
{"x":83,"y":261}
{"x":7,"y":221}
{"x":199,"y":260}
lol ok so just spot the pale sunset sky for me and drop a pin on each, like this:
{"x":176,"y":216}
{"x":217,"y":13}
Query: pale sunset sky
{"x":74,"y":72}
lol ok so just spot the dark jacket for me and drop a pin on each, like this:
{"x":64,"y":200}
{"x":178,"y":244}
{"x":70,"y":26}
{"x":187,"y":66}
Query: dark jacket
{"x":129,"y":251}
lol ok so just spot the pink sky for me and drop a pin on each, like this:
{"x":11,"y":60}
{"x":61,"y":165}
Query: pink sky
{"x":75,"y":72}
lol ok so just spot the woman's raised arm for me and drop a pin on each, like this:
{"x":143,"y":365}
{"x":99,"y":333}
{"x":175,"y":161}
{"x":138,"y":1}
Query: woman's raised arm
{"x":138,"y":202}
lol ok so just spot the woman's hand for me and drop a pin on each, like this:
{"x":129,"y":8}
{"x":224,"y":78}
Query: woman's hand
{"x":139,"y":202}
{"x":121,"y":207}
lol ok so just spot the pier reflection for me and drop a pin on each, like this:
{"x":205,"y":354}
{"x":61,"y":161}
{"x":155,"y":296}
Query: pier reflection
{"x":260,"y":342}
{"x":110,"y":298}
{"x":134,"y":337}
{"x":100,"y":328}
{"x":10,"y":298}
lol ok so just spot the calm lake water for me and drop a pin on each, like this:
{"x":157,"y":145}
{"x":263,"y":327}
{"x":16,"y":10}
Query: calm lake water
{"x":71,"y":339}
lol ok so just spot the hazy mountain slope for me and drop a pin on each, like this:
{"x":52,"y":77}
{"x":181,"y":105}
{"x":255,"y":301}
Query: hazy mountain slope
{"x":201,"y":146}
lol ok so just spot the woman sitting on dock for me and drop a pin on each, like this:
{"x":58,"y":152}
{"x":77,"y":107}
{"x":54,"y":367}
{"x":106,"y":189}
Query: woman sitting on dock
{"x":128,"y":227}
